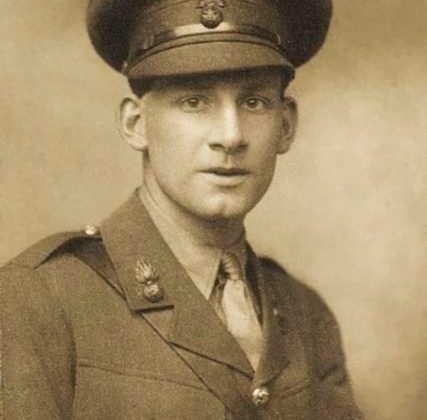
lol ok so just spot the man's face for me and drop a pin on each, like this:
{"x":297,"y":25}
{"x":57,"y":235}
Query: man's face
{"x":211,"y":142}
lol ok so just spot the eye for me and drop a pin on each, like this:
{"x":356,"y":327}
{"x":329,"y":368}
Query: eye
{"x":194,"y":104}
{"x":256,"y":104}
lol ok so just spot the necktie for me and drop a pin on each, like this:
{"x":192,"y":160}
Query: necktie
{"x":236,"y":308}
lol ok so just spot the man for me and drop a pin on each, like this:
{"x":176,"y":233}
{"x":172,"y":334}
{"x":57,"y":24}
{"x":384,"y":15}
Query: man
{"x":165,"y":311}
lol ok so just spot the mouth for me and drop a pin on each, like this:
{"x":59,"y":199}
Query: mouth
{"x":226,"y":177}
{"x":226,"y":172}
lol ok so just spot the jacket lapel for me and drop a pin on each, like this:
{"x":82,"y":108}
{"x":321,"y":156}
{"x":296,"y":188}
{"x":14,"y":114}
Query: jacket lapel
{"x":274,"y":357}
{"x":184,"y":318}
{"x":283,"y":354}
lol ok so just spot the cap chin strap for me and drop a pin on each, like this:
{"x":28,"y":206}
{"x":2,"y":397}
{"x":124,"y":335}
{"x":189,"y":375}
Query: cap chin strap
{"x":151,"y":41}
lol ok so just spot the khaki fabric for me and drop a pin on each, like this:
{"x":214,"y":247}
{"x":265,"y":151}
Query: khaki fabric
{"x":79,"y":340}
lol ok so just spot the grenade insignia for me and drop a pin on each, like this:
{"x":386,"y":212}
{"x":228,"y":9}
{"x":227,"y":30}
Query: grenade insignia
{"x":147,"y":276}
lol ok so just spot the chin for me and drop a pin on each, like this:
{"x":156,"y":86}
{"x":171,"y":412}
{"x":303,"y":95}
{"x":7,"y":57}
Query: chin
{"x":223,"y":210}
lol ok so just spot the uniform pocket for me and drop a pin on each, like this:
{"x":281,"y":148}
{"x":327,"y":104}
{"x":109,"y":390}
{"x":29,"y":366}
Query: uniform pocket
{"x":163,"y":374}
{"x":116,"y":393}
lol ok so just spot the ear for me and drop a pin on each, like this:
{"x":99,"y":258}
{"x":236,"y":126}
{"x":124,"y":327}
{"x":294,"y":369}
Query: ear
{"x":289,"y":124}
{"x":132,"y":123}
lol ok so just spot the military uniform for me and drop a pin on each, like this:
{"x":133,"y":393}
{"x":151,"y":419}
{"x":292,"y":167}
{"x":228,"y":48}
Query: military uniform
{"x":81,"y":341}
{"x":108,"y":324}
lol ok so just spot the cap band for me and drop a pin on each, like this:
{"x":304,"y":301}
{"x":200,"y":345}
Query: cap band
{"x":152,"y":41}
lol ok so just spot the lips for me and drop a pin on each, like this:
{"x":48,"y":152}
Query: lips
{"x":224,"y":171}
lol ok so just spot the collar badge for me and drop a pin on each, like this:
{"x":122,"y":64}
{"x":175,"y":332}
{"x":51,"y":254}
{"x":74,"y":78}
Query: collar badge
{"x":210,"y":12}
{"x":146,"y":275}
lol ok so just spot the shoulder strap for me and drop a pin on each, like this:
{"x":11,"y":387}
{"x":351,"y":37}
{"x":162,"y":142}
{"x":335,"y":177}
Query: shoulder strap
{"x":41,"y":251}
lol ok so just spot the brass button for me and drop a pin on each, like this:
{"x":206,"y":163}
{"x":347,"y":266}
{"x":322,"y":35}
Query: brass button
{"x":91,"y":230}
{"x":260,"y":396}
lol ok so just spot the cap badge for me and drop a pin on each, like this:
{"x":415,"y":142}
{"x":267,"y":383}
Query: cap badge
{"x":210,"y":12}
{"x":147,"y":276}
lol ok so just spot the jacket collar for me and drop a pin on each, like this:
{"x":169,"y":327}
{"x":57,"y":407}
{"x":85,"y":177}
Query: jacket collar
{"x":199,"y":256}
{"x":129,"y":234}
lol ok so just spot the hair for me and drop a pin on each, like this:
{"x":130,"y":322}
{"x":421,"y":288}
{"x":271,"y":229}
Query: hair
{"x":140,"y":86}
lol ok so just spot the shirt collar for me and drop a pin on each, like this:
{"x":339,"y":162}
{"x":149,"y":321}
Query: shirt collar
{"x":199,"y":259}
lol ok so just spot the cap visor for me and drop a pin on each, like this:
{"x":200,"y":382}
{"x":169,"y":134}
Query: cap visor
{"x":208,"y":57}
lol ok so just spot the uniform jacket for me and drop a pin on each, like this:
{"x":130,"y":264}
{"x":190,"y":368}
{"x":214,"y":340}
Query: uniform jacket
{"x":80,"y":341}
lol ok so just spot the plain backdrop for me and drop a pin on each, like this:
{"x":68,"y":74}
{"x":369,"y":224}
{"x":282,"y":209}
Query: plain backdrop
{"x":347,"y":210}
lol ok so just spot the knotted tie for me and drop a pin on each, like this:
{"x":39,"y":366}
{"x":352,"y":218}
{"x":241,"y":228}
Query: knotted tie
{"x":236,"y":308}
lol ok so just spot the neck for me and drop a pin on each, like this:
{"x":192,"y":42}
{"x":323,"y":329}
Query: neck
{"x":219,"y":233}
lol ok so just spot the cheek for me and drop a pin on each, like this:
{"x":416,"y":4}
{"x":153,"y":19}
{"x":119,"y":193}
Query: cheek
{"x":263,"y":157}
{"x":173,"y":148}
{"x":264,"y":133}
{"x":265,"y":149}
{"x":164,"y":141}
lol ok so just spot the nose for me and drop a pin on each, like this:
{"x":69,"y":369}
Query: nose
{"x":227,"y":135}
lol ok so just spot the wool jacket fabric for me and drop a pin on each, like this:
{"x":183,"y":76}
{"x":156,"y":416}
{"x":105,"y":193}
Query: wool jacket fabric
{"x":80,"y":341}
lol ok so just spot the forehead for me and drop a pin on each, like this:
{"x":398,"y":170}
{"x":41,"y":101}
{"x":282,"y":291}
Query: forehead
{"x":254,"y":79}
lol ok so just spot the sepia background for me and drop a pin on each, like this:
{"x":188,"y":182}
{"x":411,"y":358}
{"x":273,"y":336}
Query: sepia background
{"x":347,"y":212}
